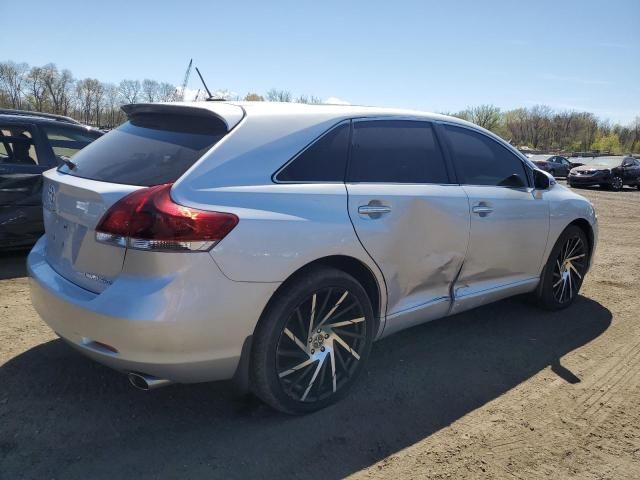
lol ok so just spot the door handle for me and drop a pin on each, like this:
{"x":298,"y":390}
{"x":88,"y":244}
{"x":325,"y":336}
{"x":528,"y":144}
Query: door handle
{"x":482,"y":210}
{"x":374,"y":211}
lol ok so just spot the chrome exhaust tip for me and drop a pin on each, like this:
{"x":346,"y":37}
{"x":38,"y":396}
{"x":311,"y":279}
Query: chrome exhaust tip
{"x":147,"y":382}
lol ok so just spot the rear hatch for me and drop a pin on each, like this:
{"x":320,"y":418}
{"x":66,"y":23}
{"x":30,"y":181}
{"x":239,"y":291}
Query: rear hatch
{"x":157,"y":145}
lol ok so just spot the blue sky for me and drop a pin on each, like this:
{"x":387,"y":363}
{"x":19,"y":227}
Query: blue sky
{"x":429,"y":55}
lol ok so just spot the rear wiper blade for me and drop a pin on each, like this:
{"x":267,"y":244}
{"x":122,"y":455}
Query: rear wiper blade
{"x":68,"y":162}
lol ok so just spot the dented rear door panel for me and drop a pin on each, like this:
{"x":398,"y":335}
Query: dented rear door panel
{"x":419,"y":244}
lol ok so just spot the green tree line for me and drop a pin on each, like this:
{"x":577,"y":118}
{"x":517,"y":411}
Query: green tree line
{"x":48,"y":89}
{"x":542,"y":128}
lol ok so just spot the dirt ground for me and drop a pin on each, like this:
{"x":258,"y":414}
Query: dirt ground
{"x":504,"y":391}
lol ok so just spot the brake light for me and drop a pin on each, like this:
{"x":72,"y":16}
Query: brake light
{"x":148,"y":219}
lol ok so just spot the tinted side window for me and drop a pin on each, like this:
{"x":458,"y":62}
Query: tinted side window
{"x":16,"y":145}
{"x":479,"y":160}
{"x":65,"y":142}
{"x":324,"y":161}
{"x":395,"y":151}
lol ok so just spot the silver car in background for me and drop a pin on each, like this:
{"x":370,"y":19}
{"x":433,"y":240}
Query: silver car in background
{"x":273,"y":243}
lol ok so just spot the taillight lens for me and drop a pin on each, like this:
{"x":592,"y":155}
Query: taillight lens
{"x":148,"y":219}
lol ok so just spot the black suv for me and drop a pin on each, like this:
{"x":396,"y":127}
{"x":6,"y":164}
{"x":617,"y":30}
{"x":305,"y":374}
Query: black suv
{"x":31,"y":143}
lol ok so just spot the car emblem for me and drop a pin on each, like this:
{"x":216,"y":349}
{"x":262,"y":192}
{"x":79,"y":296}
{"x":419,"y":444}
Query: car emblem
{"x":51,"y":196}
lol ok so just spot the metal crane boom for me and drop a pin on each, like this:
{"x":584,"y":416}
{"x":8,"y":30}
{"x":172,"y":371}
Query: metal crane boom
{"x":187,"y":74}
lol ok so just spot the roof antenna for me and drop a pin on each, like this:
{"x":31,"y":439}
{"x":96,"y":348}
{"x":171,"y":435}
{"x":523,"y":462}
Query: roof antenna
{"x":211,"y":98}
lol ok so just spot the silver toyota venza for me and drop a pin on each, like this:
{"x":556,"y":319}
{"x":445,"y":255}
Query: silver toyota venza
{"x":273,"y":243}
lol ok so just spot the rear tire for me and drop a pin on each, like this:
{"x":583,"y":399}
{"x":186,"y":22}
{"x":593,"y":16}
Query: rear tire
{"x":565,"y":269}
{"x":312,"y":342}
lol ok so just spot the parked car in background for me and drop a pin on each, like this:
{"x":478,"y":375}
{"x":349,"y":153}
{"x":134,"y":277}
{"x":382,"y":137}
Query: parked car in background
{"x":30,"y":143}
{"x":554,"y":164}
{"x":273,"y":243}
{"x":607,"y":172}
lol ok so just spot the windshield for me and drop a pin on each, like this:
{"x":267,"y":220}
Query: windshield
{"x":540,"y":158}
{"x":608,"y":162}
{"x":149,"y":149}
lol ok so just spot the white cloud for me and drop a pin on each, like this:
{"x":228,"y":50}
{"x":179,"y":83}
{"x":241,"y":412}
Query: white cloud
{"x":336,"y":101}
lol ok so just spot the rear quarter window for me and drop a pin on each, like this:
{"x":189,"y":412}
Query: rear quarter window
{"x":149,"y":149}
{"x":323,"y":161}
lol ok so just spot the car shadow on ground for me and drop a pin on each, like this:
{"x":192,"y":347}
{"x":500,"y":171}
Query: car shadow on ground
{"x":14,"y":264}
{"x":66,"y":417}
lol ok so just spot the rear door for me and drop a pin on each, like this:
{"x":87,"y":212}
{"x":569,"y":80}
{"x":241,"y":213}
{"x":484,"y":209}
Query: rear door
{"x":20,"y":185}
{"x":411,"y":220}
{"x":631,"y":171}
{"x":509,"y":220}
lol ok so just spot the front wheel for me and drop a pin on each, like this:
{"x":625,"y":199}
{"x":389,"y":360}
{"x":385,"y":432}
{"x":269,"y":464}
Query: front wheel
{"x":565,"y":269}
{"x":312,"y":342}
{"x":617,"y":183}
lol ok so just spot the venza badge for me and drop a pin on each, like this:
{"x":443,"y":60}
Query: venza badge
{"x":50,"y":197}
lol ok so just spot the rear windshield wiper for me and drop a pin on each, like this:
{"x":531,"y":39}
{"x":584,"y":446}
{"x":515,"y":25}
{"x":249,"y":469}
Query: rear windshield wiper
{"x":68,"y":162}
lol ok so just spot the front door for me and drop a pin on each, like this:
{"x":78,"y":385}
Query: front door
{"x":631,"y":171}
{"x":509,"y":220}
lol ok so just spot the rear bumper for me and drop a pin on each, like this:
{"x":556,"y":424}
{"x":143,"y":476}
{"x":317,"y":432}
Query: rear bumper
{"x":186,"y":323}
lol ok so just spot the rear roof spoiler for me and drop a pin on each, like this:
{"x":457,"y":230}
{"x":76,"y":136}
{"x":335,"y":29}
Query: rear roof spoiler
{"x":229,"y":114}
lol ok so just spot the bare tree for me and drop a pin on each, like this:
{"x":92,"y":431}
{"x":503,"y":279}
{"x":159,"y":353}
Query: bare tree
{"x":275,"y":95}
{"x":59,"y":85}
{"x":89,"y":96}
{"x":112,"y":105}
{"x":151,"y":90}
{"x":129,"y":90}
{"x":98,"y":101}
{"x":12,"y":79}
{"x":167,"y":92}
{"x":253,"y":97}
{"x":36,"y":89}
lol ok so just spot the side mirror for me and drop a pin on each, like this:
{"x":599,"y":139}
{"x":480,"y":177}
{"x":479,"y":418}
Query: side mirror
{"x":541,"y":181}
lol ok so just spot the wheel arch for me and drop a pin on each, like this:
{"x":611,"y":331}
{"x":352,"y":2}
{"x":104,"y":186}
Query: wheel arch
{"x":586,"y":227}
{"x":350,"y":265}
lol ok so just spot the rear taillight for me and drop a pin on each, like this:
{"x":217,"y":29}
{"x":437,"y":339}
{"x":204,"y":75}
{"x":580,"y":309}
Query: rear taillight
{"x":148,"y":219}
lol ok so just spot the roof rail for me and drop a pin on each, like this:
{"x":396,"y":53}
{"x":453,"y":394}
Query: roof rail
{"x":51,"y":116}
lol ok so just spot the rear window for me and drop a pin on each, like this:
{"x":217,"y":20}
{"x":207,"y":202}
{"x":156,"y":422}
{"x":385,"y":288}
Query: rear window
{"x":149,"y":149}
